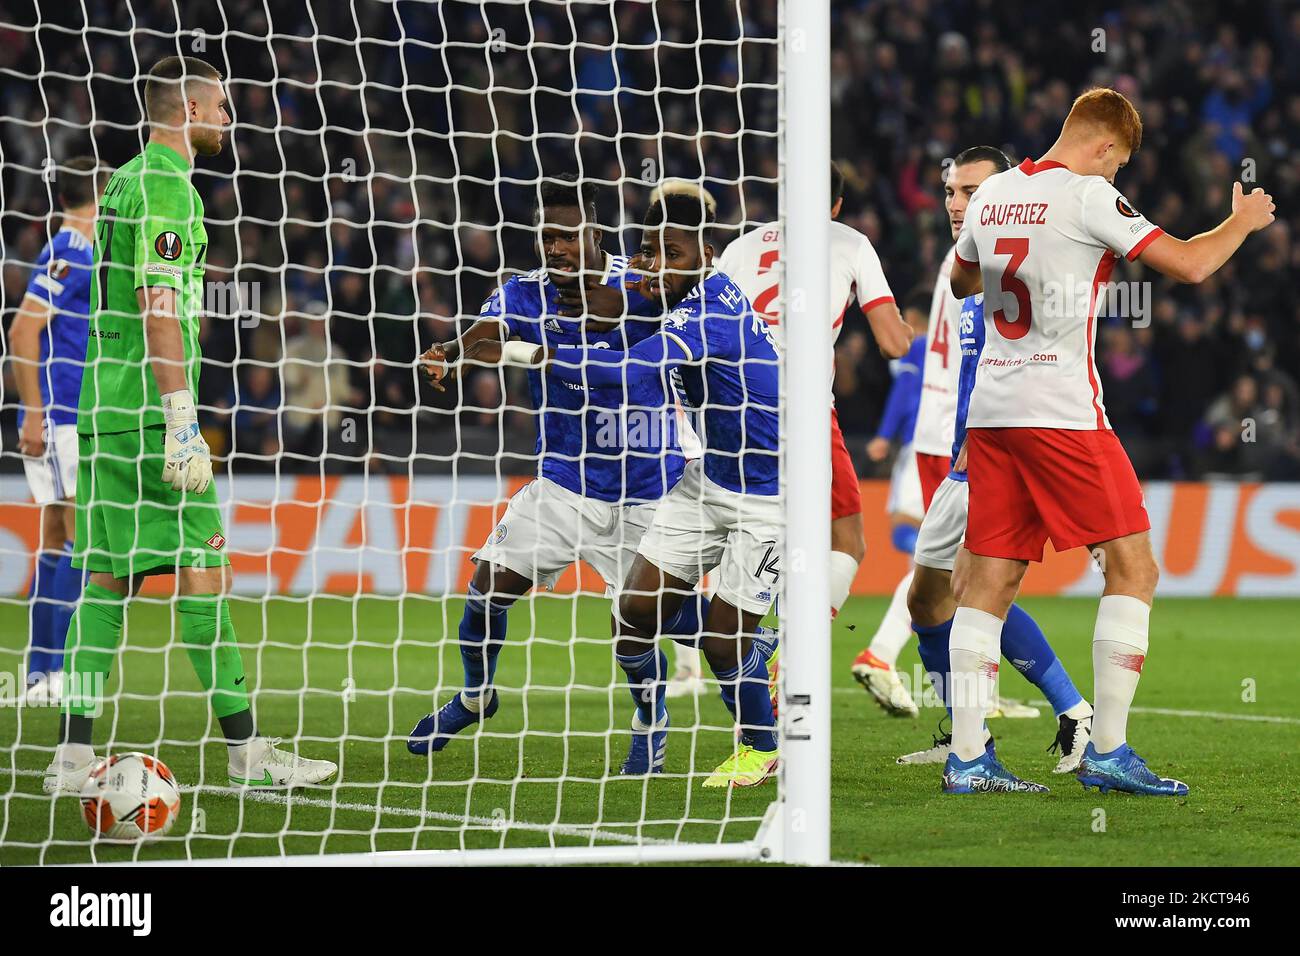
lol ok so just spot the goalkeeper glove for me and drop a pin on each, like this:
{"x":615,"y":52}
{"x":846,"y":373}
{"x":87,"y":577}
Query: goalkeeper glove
{"x":188,"y":465}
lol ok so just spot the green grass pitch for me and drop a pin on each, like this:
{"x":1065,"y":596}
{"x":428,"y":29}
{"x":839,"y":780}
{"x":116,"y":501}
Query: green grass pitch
{"x":1218,"y":707}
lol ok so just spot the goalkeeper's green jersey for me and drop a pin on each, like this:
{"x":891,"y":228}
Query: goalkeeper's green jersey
{"x":150,"y":235}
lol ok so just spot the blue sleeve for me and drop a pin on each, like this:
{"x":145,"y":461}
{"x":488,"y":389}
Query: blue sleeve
{"x":497,"y":307}
{"x":611,"y":367}
{"x":899,"y":418}
{"x":40,"y":283}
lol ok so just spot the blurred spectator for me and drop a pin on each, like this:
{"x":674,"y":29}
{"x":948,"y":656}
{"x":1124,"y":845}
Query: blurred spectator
{"x":394,"y":182}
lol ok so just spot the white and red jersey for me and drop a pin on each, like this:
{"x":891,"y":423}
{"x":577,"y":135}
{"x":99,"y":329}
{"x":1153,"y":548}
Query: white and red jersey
{"x":751,"y":262}
{"x":1045,"y":240}
{"x":937,"y":413}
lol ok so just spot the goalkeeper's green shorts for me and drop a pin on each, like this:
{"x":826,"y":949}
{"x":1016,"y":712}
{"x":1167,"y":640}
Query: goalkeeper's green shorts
{"x":129,"y":522}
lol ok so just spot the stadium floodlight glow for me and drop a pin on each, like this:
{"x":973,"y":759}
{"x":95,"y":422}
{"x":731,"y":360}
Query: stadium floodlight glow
{"x":328,"y":565}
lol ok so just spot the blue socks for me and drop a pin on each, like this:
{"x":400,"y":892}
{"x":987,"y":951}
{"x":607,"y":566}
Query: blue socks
{"x":67,"y":592}
{"x":744,"y":691}
{"x":932,"y":645}
{"x":1024,"y":645}
{"x":685,"y":626}
{"x":647,"y":675}
{"x":42,"y":598}
{"x":482,"y":635}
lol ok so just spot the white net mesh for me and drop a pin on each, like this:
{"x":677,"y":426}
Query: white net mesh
{"x":379,"y":182}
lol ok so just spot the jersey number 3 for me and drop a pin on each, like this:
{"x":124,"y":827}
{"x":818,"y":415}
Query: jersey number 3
{"x":1018,"y":250}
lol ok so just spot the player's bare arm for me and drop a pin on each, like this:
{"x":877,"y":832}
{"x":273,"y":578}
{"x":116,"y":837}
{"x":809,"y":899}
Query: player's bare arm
{"x":893,"y":335}
{"x":965,"y":279}
{"x":439,"y":361}
{"x":1195,"y":260}
{"x":25,"y":340}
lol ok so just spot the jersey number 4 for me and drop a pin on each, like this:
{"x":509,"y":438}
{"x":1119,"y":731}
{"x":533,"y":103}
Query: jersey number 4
{"x":1018,"y":250}
{"x":939,"y":343}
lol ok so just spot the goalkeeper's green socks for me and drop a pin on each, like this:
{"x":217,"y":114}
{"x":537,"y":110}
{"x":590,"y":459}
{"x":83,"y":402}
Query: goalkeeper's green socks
{"x":94,"y":633}
{"x":209,"y":638}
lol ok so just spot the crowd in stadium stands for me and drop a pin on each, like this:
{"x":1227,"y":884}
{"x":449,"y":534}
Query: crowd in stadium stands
{"x":361,"y":226}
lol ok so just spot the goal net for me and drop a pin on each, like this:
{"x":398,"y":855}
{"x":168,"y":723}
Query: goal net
{"x":379,"y":183}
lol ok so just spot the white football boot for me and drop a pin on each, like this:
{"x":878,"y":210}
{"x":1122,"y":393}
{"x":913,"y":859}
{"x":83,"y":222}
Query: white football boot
{"x":1072,"y":737}
{"x":685,"y":683}
{"x":882,"y":682}
{"x":936,"y":753}
{"x":261,"y":763}
{"x":70,"y":768}
{"x":1012,"y":709}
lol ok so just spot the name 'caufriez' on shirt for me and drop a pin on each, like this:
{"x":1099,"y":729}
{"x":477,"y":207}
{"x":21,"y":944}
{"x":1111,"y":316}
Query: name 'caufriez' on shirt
{"x":1045,"y":240}
{"x":727,"y":362}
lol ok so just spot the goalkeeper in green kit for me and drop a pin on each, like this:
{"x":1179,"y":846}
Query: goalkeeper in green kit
{"x":146,"y":503}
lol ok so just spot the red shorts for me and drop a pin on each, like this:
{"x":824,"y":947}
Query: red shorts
{"x":846,"y":495}
{"x":1027,"y":485}
{"x":933,"y":470}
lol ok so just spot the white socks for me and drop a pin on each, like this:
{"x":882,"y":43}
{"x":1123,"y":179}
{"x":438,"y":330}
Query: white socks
{"x":1119,"y":648}
{"x":974,"y":649}
{"x":895,"y":629}
{"x":843,"y":569}
{"x":78,"y":755}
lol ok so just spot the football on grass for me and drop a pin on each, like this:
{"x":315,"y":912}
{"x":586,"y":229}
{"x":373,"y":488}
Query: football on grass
{"x":130,"y":797}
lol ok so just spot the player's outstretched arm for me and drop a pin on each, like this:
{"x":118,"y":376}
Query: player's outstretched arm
{"x":187,"y":462}
{"x":25,"y":344}
{"x":599,"y":367}
{"x":1195,"y":260}
{"x":439,"y":361}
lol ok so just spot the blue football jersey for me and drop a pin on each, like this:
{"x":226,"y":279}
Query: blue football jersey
{"x":595,"y":441}
{"x":970,"y":330}
{"x":61,"y":277}
{"x":727,"y":364}
{"x":898,"y":421}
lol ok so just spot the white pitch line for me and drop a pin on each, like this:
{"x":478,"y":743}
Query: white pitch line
{"x":556,"y":829}
{"x":1210,"y":714}
{"x":1158,"y":711}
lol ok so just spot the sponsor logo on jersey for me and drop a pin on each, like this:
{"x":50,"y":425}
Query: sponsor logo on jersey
{"x":168,"y":245}
{"x":217,"y":541}
{"x":1125,"y":209}
{"x":59,"y":268}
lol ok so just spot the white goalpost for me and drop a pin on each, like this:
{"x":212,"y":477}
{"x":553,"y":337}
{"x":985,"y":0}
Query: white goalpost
{"x":391,"y":193}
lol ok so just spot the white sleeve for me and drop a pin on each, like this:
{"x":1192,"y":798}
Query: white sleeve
{"x":869,"y":280}
{"x":1110,"y":220}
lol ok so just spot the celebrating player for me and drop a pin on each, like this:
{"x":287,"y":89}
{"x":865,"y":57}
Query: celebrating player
{"x":1043,"y":462}
{"x":49,"y":345}
{"x":930,"y":602}
{"x":607,"y":457}
{"x":725,"y":513}
{"x":145,"y":499}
